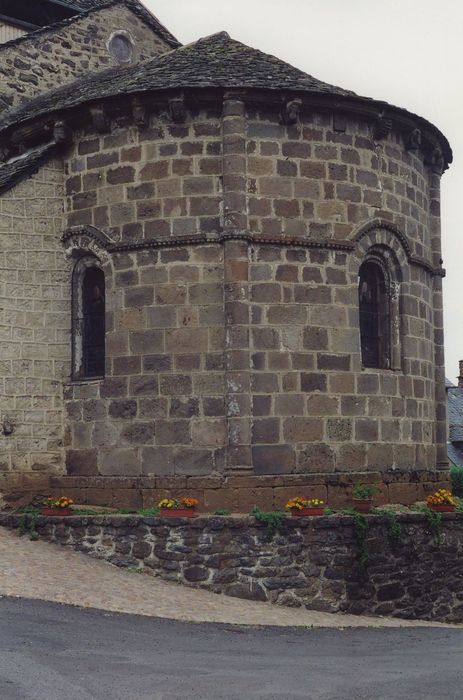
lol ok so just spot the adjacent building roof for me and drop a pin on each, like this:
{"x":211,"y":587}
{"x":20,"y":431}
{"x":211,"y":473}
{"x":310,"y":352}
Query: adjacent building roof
{"x":36,"y":14}
{"x":455,"y":419}
{"x":455,"y":413}
{"x":19,"y":168}
{"x":73,"y":9}
{"x":216,"y":61}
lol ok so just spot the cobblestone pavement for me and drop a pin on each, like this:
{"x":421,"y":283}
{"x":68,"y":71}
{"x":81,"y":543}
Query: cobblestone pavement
{"x":49,"y":572}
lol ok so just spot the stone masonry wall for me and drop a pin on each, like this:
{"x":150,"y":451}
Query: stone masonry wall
{"x":44,"y":60}
{"x":292,"y":312}
{"x":322,"y":181}
{"x":242,"y":356}
{"x":34,"y":322}
{"x":309,"y":562}
{"x":160,"y":409}
{"x":143,"y":184}
{"x":315,"y":409}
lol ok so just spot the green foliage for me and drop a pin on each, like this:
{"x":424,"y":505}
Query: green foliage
{"x":459,"y":506}
{"x":222,"y":511}
{"x":149,"y":512}
{"x":394,"y":528}
{"x":456,"y":475}
{"x":28,"y":522}
{"x":328,"y":511}
{"x":365,"y":491}
{"x":125,"y":511}
{"x":433,"y":519}
{"x":272,"y":519}
{"x":361,"y":532}
{"x":88,"y":511}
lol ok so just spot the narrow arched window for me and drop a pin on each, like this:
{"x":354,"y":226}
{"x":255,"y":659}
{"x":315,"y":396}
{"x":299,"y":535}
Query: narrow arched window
{"x":88,"y":328}
{"x":375,"y":316}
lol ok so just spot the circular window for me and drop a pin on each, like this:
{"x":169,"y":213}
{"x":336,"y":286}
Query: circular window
{"x":121,"y":47}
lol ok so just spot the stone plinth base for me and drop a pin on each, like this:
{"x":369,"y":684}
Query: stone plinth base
{"x":239,"y":494}
{"x":20,"y":489}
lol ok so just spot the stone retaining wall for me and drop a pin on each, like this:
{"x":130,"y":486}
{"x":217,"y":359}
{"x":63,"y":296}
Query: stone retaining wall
{"x":313,"y":563}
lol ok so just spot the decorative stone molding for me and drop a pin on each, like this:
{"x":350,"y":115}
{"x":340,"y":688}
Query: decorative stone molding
{"x":140,"y":113}
{"x":177,"y":110}
{"x":291,"y":112}
{"x":100,"y":119}
{"x":393,"y":237}
{"x":435,"y":160}
{"x":62,"y":134}
{"x":381,"y":128}
{"x":413,"y":140}
{"x":339,"y":122}
{"x":82,"y":240}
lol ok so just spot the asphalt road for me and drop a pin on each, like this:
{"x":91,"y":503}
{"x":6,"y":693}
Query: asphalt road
{"x":49,"y":651}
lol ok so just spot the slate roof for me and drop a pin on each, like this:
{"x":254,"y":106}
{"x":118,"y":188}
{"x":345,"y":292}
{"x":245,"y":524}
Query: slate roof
{"x":13,"y":172}
{"x":455,"y":453}
{"x":455,"y":420}
{"x":216,"y":61}
{"x":455,"y":413}
{"x":81,"y":4}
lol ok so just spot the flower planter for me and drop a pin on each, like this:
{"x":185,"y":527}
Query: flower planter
{"x":299,"y":512}
{"x":362,"y":505}
{"x":177,"y":513}
{"x":442,"y":508}
{"x":50,"y":512}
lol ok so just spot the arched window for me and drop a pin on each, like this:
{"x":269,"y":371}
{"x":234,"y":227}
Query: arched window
{"x":375,"y":315}
{"x":88,"y":327}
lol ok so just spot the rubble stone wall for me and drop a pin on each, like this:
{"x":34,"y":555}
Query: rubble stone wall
{"x":308,"y":562}
{"x":48,"y":58}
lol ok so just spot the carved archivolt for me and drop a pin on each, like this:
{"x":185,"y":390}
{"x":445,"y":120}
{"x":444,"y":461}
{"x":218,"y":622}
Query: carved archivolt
{"x":84,"y":240}
{"x":392,"y":242}
{"x":380,"y":232}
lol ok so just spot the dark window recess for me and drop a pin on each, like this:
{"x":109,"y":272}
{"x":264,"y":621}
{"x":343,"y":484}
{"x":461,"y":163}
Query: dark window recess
{"x":374,"y":311}
{"x":91,"y":323}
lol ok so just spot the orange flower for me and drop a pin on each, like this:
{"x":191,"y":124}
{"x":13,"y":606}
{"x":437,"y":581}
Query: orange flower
{"x":300,"y":502}
{"x":441,"y":496}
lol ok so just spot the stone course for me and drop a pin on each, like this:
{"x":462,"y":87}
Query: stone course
{"x":309,"y":562}
{"x":238,"y":493}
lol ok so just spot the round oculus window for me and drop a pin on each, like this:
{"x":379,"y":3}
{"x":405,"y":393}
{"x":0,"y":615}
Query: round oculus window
{"x":121,"y":48}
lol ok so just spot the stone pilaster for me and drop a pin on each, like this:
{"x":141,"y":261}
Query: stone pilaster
{"x":441,"y":427}
{"x":236,"y":288}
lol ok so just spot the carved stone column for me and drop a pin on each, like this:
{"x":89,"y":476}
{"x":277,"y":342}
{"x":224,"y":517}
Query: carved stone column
{"x":236,"y":285}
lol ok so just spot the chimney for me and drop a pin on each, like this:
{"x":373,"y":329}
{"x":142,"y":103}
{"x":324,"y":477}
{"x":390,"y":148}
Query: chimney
{"x":460,"y":378}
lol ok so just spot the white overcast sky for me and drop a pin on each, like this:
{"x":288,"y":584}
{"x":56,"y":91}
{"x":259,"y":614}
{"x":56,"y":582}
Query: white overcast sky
{"x":407,"y":52}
